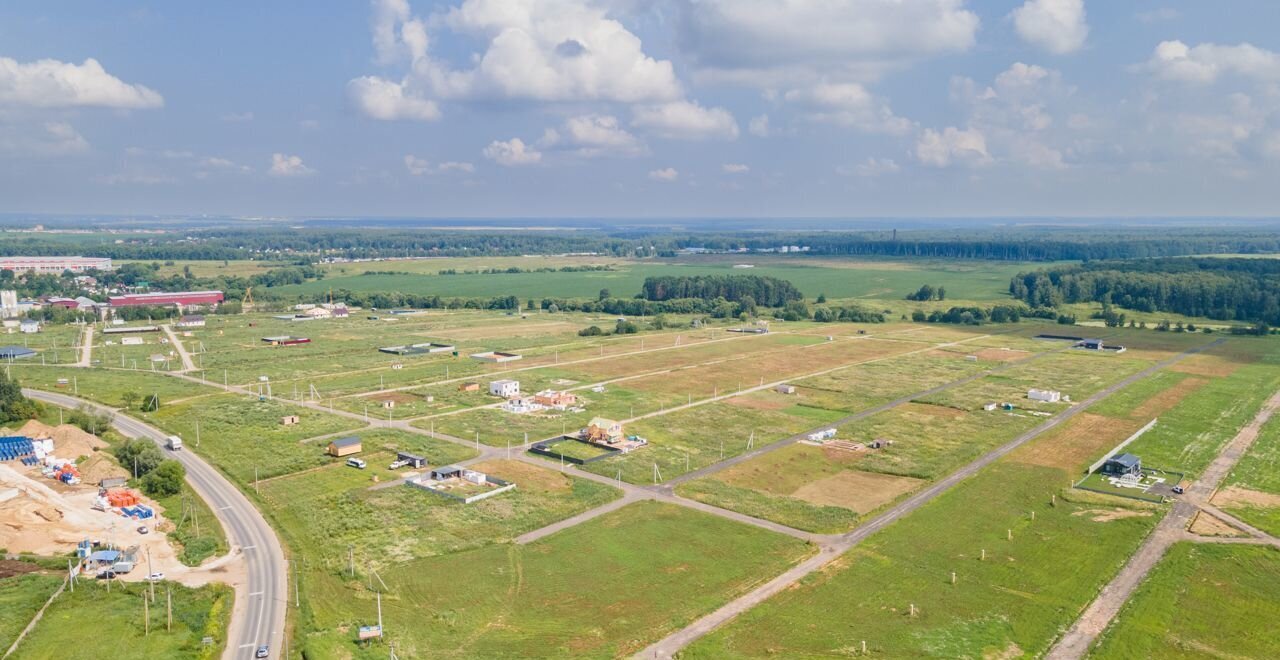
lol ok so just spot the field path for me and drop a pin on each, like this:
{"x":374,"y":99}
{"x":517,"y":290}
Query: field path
{"x":672,"y":644}
{"x":86,"y":347}
{"x":187,"y":363}
{"x":1095,"y":619}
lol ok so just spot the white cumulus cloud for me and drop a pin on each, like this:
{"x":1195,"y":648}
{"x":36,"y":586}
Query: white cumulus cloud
{"x":1205,"y":63}
{"x":512,"y":153}
{"x":593,"y":135}
{"x":952,"y":145}
{"x":55,"y":84}
{"x":775,"y":42}
{"x":420,"y":166}
{"x":387,"y":100}
{"x":686,"y":120}
{"x":284,"y":165}
{"x":666,"y":174}
{"x":735,"y":168}
{"x":849,"y":104}
{"x":1058,"y":26}
{"x":539,"y":50}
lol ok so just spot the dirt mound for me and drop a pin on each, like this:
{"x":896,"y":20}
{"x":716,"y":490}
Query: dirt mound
{"x":10,"y":568}
{"x":72,"y":442}
{"x":100,"y":466}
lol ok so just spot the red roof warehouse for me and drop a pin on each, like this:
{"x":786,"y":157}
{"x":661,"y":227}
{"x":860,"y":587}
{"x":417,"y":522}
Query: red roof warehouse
{"x":185,"y":298}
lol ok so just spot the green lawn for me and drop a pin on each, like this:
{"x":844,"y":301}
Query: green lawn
{"x":1201,"y":601}
{"x":92,"y":623}
{"x":605,"y":588}
{"x":1014,"y":602}
{"x":21,"y":596}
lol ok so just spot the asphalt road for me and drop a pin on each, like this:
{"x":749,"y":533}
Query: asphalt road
{"x":258,"y":615}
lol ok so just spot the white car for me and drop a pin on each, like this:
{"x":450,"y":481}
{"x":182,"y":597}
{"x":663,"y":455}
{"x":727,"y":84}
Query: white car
{"x":155,"y":577}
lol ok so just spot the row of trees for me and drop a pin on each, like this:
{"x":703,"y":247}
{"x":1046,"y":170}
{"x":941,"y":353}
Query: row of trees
{"x":1223,"y":289}
{"x":370,"y":241}
{"x":757,"y":289}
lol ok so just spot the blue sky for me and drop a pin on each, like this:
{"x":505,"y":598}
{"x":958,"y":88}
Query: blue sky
{"x":631,"y":108}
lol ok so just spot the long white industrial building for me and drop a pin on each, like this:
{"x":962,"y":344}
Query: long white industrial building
{"x":55,"y":265}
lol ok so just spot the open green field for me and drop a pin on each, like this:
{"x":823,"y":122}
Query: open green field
{"x":1012,"y":603}
{"x":94,"y":623}
{"x":837,"y":278}
{"x":107,"y":385}
{"x":1253,"y":492}
{"x":240,"y":434}
{"x":1201,"y":601}
{"x":330,"y":512}
{"x":21,"y":596}
{"x":605,"y":588}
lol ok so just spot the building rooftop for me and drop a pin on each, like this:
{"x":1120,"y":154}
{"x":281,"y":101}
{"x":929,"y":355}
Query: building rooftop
{"x":348,"y":441}
{"x":1127,"y":460}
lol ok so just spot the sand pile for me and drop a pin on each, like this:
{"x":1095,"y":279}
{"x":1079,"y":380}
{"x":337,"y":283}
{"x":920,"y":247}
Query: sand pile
{"x":100,"y":466}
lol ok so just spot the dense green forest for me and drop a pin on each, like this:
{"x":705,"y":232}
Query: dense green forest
{"x":317,"y":244}
{"x":766,"y":291}
{"x":1223,"y":289}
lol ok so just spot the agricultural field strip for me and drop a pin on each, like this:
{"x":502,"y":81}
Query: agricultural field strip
{"x":741,"y":458}
{"x":668,"y":647}
{"x":766,"y":386}
{"x":611,"y":381}
{"x":1075,"y":643}
{"x":532,"y":366}
{"x":594,"y":358}
{"x":708,"y":363}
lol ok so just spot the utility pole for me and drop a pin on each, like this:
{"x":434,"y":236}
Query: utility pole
{"x":146,"y":617}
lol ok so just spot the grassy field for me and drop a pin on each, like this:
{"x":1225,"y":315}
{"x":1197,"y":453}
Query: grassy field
{"x":1201,"y":601}
{"x":239,"y":434}
{"x":330,"y":512}
{"x":605,"y":588}
{"x":21,"y":596}
{"x":1253,"y":492}
{"x":196,"y":532}
{"x":837,"y":278}
{"x":94,"y":623}
{"x":107,"y":385}
{"x":1012,"y":603}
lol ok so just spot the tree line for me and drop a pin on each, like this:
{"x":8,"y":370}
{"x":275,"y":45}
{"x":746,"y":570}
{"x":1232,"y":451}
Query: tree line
{"x":1217,"y":288}
{"x":761,"y":290}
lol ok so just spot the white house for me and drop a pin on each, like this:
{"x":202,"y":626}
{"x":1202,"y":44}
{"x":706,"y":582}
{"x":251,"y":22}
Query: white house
{"x":505,"y":388}
{"x":29,"y":326}
{"x":1047,"y":396}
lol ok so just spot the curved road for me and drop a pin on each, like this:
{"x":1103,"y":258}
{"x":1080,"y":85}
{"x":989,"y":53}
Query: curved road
{"x":258,"y":615}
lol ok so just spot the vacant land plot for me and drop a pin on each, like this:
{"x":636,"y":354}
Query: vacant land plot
{"x":1253,"y":487}
{"x":605,"y":588}
{"x":108,"y":386}
{"x":118,"y":630}
{"x":244,"y":436}
{"x":1075,"y":374}
{"x":817,"y":489}
{"x":330,"y":512}
{"x":1014,"y":602}
{"x":1200,"y":601}
{"x":23,"y":591}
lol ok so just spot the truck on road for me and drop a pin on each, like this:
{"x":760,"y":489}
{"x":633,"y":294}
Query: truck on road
{"x":173,"y":443}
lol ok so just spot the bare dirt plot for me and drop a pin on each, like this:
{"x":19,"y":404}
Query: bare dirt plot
{"x":9,"y":568}
{"x":1235,"y":496}
{"x":860,"y":491}
{"x":1001,"y":355}
{"x":1207,"y":365}
{"x":1107,"y":515}
{"x":397,"y":397}
{"x":1205,"y":524}
{"x":1073,"y":445}
{"x":1167,"y":399}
